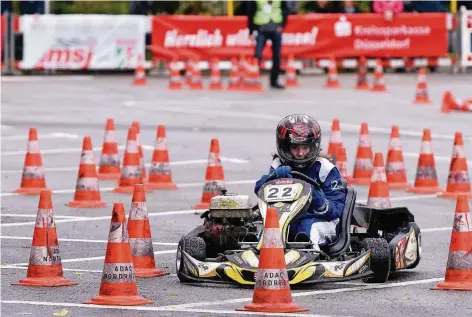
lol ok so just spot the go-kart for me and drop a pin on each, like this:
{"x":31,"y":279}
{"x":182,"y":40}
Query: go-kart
{"x":371,"y":243}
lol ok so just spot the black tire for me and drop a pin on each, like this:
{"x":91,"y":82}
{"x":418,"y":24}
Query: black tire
{"x":195,"y":247}
{"x":418,"y":251}
{"x":380,"y":262}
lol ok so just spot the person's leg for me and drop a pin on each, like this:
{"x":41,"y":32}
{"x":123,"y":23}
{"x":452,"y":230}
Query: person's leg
{"x":323,"y":232}
{"x":276,"y":39}
{"x":260,"y":44}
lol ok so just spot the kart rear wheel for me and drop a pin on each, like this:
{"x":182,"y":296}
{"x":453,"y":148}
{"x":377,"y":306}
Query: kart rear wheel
{"x":195,"y":247}
{"x":379,"y":260}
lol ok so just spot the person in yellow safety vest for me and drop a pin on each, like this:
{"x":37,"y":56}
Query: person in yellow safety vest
{"x":266,"y":20}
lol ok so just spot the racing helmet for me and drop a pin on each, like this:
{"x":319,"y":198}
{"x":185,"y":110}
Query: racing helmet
{"x":298,"y":129}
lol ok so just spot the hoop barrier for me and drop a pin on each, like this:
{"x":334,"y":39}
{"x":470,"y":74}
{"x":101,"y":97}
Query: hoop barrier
{"x":82,"y":42}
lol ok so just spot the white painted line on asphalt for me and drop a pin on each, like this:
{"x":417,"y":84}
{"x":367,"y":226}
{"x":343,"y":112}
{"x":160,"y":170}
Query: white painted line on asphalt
{"x":55,"y":135}
{"x":192,"y":211}
{"x":54,"y":151}
{"x":275,"y":118}
{"x":437,"y":229}
{"x":21,"y":79}
{"x":34,"y":216}
{"x":81,"y":240}
{"x":311,"y":293}
{"x":64,"y":269}
{"x":436,"y":157}
{"x":152,"y":214}
{"x":109,"y":189}
{"x":174,"y":163}
{"x":93,"y":258}
{"x":154,"y":308}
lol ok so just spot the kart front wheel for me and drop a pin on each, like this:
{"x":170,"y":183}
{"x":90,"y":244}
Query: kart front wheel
{"x":380,"y":263}
{"x":193,"y":246}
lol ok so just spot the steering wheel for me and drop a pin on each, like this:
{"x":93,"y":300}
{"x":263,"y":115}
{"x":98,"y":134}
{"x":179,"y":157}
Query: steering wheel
{"x":300,"y":176}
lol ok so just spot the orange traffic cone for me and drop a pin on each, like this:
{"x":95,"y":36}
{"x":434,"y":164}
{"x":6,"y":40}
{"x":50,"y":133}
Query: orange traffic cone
{"x":136,"y":125}
{"x":379,"y":197}
{"x":396,"y":173}
{"x":422,"y":96}
{"x":234,"y":82}
{"x":140,"y":238}
{"x":215,"y":75}
{"x":45,"y":267}
{"x":362,"y":83}
{"x":459,"y":268}
{"x":87,"y":192}
{"x":272,"y":289}
{"x":426,"y":176}
{"x":214,"y":177}
{"x":252,"y":79}
{"x":118,"y":285}
{"x":131,"y":170}
{"x":291,"y":73}
{"x":363,"y":166}
{"x":332,"y":78}
{"x":188,"y":72}
{"x":458,"y":181}
{"x":110,"y":158}
{"x":335,"y":140}
{"x":175,"y":82}
{"x":160,"y":175}
{"x":449,"y":103}
{"x":140,"y":73}
{"x":379,"y":82}
{"x":32,"y":179}
{"x":196,"y":76}
{"x":341,"y":164}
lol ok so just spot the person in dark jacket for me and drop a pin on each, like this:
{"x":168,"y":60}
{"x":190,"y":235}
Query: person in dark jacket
{"x":298,"y":148}
{"x":266,"y":21}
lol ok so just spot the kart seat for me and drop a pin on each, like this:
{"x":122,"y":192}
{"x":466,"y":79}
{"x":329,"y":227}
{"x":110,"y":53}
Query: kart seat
{"x":343,"y":233}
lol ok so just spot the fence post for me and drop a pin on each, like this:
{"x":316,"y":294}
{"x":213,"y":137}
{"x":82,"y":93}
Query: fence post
{"x":6,"y":44}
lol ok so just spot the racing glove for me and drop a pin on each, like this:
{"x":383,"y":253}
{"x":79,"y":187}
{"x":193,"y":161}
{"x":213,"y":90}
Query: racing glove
{"x":319,"y":202}
{"x":283,"y":172}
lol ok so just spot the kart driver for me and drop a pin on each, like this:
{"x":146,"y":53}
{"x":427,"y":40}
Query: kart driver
{"x":298,"y":149}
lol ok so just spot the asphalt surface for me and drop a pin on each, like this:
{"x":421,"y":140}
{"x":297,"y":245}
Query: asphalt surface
{"x":64,"y":109}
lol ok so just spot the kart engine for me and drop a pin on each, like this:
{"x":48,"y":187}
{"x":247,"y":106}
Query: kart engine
{"x":231,"y":220}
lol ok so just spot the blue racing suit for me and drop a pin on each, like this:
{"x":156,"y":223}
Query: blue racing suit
{"x":328,"y":201}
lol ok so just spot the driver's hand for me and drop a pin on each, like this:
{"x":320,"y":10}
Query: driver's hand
{"x":283,"y":172}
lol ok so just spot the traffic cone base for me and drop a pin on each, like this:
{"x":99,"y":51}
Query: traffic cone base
{"x":29,"y":191}
{"x":425,"y":190}
{"x":129,"y":189}
{"x":41,"y":282}
{"x":363,"y":86}
{"x":399,"y":185}
{"x":162,"y":186}
{"x":149,"y":272}
{"x":86,"y":204}
{"x":119,"y":300}
{"x":108,"y":176}
{"x":360,"y":181}
{"x":273,"y":308}
{"x":454,"y":195}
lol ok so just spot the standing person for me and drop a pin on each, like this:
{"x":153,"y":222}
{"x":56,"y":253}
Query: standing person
{"x":266,"y":20}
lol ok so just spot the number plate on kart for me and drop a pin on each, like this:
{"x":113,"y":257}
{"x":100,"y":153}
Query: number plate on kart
{"x":285,"y":192}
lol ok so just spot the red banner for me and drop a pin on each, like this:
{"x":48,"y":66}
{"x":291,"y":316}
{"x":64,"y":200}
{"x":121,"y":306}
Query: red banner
{"x":305,"y":36}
